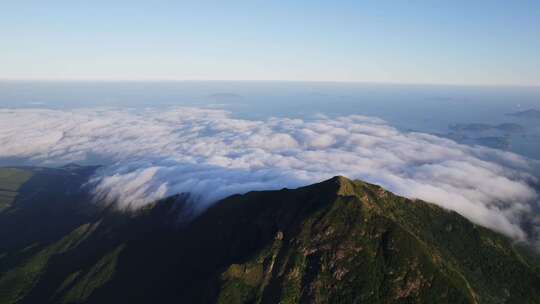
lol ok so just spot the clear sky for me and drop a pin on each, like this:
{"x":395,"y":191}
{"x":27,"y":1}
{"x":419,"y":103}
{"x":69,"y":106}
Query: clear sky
{"x":450,"y":42}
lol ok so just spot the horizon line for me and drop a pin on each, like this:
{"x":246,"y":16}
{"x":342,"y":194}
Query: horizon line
{"x":273,"y":80}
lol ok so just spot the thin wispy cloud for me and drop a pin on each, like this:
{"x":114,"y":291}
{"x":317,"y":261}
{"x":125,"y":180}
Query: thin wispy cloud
{"x":154,"y":153}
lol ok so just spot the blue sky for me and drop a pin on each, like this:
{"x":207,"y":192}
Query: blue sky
{"x":443,"y":42}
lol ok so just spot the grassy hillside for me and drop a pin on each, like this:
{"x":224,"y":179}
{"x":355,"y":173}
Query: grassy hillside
{"x":338,"y":241}
{"x":11,"y":179}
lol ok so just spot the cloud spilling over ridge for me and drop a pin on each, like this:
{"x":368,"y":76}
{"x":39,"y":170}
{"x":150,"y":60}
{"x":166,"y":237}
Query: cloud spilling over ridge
{"x":154,"y":153}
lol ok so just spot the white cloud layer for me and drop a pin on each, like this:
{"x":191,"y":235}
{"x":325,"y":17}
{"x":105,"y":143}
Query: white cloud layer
{"x":153,"y":153}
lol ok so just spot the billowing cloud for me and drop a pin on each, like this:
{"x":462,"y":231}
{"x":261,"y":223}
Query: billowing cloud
{"x":152,"y":153}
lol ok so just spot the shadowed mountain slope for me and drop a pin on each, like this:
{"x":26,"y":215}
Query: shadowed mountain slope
{"x":338,"y":241}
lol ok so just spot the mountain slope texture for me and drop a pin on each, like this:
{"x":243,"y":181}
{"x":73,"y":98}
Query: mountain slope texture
{"x":338,"y":241}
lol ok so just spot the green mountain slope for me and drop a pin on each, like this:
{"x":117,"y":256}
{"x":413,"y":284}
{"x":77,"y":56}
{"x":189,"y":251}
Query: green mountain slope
{"x":11,"y":180}
{"x":339,"y":241}
{"x":370,"y":246}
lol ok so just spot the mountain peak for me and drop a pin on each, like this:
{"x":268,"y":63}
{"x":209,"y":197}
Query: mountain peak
{"x":346,"y":186}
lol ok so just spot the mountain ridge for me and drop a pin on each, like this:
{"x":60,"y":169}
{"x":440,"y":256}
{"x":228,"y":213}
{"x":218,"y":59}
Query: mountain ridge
{"x":337,"y":241}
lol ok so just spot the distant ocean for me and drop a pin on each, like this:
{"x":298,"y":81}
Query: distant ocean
{"x":470,"y":115}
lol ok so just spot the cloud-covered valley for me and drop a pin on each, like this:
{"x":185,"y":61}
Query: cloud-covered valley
{"x":153,"y":153}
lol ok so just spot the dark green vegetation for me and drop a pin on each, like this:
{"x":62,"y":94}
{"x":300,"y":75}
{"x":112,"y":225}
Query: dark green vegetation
{"x":338,"y":241}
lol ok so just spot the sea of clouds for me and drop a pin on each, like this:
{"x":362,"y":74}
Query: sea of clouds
{"x":153,"y":153}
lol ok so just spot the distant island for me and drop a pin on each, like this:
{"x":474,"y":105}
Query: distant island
{"x":224,"y":96}
{"x":529,"y":114}
{"x":480,"y":127}
{"x":493,"y":136}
